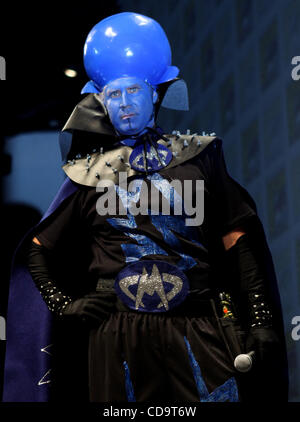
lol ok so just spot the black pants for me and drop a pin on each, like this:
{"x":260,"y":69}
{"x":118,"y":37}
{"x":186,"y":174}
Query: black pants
{"x":151,"y":355}
{"x":93,"y":365}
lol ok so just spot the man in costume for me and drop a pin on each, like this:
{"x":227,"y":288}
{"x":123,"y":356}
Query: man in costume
{"x":142,"y":306}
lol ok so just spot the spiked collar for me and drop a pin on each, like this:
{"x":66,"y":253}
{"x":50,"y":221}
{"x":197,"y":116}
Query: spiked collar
{"x":92,"y":150}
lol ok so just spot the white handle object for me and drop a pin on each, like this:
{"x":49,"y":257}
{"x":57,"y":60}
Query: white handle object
{"x":244,"y":361}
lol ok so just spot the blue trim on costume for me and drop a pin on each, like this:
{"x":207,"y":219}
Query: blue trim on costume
{"x":165,"y":224}
{"x":225,"y":392}
{"x":128,"y":384}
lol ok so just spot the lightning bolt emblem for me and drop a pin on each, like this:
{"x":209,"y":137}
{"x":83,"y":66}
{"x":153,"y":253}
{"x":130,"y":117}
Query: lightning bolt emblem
{"x":151,"y":284}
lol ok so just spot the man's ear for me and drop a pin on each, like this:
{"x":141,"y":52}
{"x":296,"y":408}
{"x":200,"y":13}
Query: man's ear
{"x":154,"y":97}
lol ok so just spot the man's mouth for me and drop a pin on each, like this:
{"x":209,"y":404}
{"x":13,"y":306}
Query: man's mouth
{"x":127,"y":116}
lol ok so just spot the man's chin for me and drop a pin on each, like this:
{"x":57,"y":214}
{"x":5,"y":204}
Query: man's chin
{"x":132,"y":131}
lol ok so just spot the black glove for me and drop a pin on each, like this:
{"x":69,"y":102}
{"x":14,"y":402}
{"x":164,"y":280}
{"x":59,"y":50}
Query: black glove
{"x":251,"y":291}
{"x":92,"y":308}
{"x":264,"y":341}
{"x":252,"y":296}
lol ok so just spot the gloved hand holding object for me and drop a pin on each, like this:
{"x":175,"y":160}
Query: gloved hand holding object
{"x":261,"y":337}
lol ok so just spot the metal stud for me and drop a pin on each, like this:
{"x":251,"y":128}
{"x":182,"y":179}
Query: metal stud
{"x":199,"y":143}
{"x":185,"y":143}
{"x":188,"y":131}
{"x":114,"y":170}
{"x":97,"y":176}
{"x":107,"y":164}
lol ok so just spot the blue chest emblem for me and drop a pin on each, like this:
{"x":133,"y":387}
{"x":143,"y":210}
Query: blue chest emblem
{"x":149,"y":158}
{"x":151,"y":286}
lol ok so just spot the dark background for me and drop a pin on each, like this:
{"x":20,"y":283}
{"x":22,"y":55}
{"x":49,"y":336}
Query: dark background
{"x":235,"y":56}
{"x":38,"y":41}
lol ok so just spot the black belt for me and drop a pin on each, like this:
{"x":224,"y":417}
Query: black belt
{"x":194,"y":304}
{"x":105,"y":285}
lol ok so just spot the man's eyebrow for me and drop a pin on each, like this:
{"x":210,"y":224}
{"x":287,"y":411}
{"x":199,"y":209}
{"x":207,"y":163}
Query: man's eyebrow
{"x":110,"y":90}
{"x":136,"y":85}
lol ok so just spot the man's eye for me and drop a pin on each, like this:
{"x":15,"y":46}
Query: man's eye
{"x":115,"y":94}
{"x":133,"y":89}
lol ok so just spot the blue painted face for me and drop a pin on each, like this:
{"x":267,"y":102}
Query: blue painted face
{"x":130,"y":105}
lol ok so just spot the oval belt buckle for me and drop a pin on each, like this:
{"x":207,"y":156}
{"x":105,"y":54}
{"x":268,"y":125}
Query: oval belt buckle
{"x":151,"y":286}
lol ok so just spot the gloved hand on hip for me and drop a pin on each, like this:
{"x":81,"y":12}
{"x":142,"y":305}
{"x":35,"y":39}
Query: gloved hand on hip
{"x":92,"y":308}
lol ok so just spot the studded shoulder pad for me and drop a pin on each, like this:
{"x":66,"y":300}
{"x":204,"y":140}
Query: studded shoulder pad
{"x":107,"y":165}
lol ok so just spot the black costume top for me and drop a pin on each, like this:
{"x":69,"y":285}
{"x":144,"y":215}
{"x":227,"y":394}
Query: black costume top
{"x":113,"y":241}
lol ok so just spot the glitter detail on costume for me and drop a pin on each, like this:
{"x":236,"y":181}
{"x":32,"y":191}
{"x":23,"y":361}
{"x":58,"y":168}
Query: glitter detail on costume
{"x":45,"y":378}
{"x":146,"y":158}
{"x":151,"y":286}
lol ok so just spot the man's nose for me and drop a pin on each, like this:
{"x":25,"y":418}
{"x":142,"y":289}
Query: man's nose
{"x":125,"y":102}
